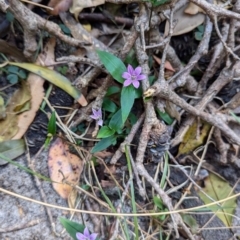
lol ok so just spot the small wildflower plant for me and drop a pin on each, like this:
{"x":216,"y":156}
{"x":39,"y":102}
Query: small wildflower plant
{"x":77,"y":231}
{"x":97,"y":115}
{"x":86,"y":235}
{"x":130,"y":78}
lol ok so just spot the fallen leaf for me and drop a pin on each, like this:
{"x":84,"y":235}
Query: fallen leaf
{"x":171,"y":109}
{"x":22,"y":99}
{"x":194,"y":137}
{"x":36,"y":88}
{"x":185,"y":22}
{"x":11,"y":149}
{"x":167,"y":64}
{"x":79,"y":5}
{"x":59,"y":6}
{"x":193,"y":9}
{"x":55,"y":78}
{"x":219,"y":189}
{"x":19,"y":102}
{"x":63,"y":166}
{"x":191,"y":222}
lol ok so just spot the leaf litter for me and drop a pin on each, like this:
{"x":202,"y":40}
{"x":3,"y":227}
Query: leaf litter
{"x":62,"y":163}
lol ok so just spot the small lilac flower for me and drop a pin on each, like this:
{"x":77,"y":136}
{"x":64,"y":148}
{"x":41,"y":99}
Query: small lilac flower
{"x":86,"y":235}
{"x":97,"y":115}
{"x":133,"y":76}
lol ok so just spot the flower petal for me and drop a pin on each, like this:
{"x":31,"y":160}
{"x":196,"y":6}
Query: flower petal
{"x":100,"y":122}
{"x":93,"y":117}
{"x":86,"y":232}
{"x":136,"y":84}
{"x":141,"y":77}
{"x":138,"y":71}
{"x":95,"y":112}
{"x":80,"y":236}
{"x":93,"y":236}
{"x":99,"y":113}
{"x":130,"y":69}
{"x":127,"y":82}
{"x":126,"y":75}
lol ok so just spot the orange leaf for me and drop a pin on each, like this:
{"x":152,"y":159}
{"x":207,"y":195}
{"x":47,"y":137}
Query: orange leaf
{"x":59,"y":6}
{"x":63,"y":166}
{"x":167,"y":64}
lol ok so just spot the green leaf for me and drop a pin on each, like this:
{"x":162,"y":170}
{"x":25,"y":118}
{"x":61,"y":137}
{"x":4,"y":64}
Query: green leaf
{"x":116,"y":122}
{"x":156,"y":3}
{"x":12,"y":78}
{"x":132,"y":118}
{"x":105,"y":132}
{"x":22,"y":74}
{"x":54,"y":78}
{"x":201,"y":28}
{"x":72,"y":227}
{"x":127,"y":100}
{"x":165,"y":117}
{"x":109,"y":106}
{"x":191,"y":222}
{"x":104,"y":143}
{"x":52,"y":128}
{"x":158,"y":202}
{"x":9,"y":16}
{"x":198,"y":36}
{"x":63,"y":70}
{"x":219,"y":189}
{"x":151,"y":79}
{"x":12,"y":69}
{"x":65,"y":29}
{"x":113,"y":64}
{"x":11,"y":149}
{"x":138,"y":93}
{"x":131,"y":59}
{"x":112,"y":90}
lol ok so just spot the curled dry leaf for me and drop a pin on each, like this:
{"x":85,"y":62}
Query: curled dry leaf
{"x":63,"y":166}
{"x":36,"y":88}
{"x":59,"y":6}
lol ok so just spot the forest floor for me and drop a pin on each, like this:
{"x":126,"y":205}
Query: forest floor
{"x":120,"y":107}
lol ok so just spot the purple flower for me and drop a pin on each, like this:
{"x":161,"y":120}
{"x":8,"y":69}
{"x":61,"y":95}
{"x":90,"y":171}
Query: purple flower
{"x":97,"y":115}
{"x":86,"y":235}
{"x":133,"y":76}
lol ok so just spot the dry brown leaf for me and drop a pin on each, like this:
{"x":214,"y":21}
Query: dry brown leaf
{"x":167,"y":64}
{"x":193,"y":9}
{"x":79,"y":5}
{"x":19,"y":102}
{"x":185,"y":22}
{"x":72,"y":199}
{"x":59,"y":6}
{"x":63,"y":166}
{"x":36,"y":88}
